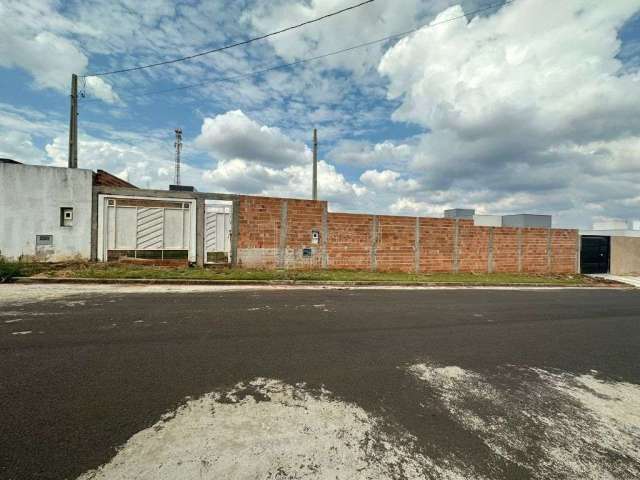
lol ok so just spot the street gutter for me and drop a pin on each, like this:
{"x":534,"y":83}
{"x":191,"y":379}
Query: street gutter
{"x":317,"y":283}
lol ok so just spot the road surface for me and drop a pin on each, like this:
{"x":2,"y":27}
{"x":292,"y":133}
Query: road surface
{"x":211,"y":383}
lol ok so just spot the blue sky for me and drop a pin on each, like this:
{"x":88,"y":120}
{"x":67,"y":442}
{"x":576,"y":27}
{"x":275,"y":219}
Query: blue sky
{"x":533,"y":106}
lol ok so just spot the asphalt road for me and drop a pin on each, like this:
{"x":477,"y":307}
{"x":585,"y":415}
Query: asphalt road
{"x":409,"y":383}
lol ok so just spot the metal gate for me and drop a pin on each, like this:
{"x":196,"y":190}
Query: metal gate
{"x":594,"y":254}
{"x":217,"y":232}
{"x":146,"y":228}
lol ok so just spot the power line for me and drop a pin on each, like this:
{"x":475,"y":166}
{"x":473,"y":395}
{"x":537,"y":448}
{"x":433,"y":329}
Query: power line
{"x":226,"y":47}
{"x":314,"y":58}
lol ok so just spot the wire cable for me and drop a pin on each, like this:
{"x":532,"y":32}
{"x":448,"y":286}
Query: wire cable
{"x":226,"y":47}
{"x":314,"y":58}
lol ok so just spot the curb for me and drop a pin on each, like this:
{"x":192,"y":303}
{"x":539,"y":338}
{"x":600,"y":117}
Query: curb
{"x":317,"y":283}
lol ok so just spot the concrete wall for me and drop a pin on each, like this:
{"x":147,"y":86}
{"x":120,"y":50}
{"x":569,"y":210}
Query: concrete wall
{"x":30,"y":201}
{"x":625,"y":255}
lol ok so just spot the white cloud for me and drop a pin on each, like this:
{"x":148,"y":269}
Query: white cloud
{"x":361,"y":153}
{"x":388,"y":180}
{"x":517,"y":102}
{"x":361,"y":25}
{"x":411,"y":206}
{"x":34,"y":40}
{"x":19,"y":146}
{"x":234,"y":135}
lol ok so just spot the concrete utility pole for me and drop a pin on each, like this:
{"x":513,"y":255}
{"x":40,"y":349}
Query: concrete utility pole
{"x":178,"y":145}
{"x":315,"y":164}
{"x":73,"y":123}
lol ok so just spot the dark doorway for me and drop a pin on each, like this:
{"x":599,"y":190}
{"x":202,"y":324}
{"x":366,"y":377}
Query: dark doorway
{"x":594,"y":254}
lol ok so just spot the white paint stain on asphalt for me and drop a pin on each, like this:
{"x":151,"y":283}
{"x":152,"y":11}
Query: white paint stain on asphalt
{"x":24,"y":332}
{"x":555,"y":424}
{"x":269,"y":430}
{"x":13,"y":320}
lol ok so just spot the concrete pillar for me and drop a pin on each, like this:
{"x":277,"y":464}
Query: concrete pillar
{"x":578,"y":248}
{"x":549,"y":251}
{"x":200,"y":212}
{"x":520,"y":239}
{"x":324,"y":239}
{"x":416,"y":247}
{"x":490,"y":252}
{"x":282,"y":243}
{"x":456,"y":246}
{"x":94,"y":225}
{"x":374,"y":243}
{"x":235,"y":231}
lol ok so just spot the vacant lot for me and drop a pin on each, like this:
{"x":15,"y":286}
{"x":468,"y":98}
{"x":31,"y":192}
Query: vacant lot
{"x":206,"y":383}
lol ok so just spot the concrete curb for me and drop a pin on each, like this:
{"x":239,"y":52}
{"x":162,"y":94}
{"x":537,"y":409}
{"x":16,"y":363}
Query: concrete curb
{"x":317,"y":283}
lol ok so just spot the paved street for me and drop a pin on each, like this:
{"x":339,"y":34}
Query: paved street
{"x":211,"y":383}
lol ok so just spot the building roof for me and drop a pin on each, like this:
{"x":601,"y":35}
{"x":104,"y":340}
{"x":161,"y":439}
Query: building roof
{"x":107,"y":179}
{"x":9,"y":160}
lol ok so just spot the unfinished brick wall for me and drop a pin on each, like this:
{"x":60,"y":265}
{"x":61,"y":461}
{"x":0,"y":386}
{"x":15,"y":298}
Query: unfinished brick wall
{"x":535,"y":257}
{"x":274,"y":233}
{"x":303,"y":217}
{"x":349,"y":241}
{"x":258,"y":231}
{"x":473,"y":247}
{"x":395,"y":243}
{"x":436,"y":244}
{"x":505,"y":250}
{"x":564,"y":247}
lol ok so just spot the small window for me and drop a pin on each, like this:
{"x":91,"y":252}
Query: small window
{"x":66,"y":217}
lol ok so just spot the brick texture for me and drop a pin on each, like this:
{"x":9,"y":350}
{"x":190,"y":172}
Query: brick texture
{"x":351,"y":242}
{"x":395,"y":243}
{"x":303,"y":216}
{"x":534,"y":250}
{"x":473,"y":247}
{"x":564,"y":250}
{"x":436,"y":244}
{"x":258,"y":231}
{"x":505,"y":250}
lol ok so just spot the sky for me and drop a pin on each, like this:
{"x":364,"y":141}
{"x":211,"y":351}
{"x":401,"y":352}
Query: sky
{"x":532,"y":106}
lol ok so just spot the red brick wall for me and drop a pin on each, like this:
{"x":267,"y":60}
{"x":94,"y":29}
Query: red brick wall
{"x":349,"y":242}
{"x":473,"y":247}
{"x":303,"y":216}
{"x":436,"y":244}
{"x":259,"y":231}
{"x":505,"y":250}
{"x":395,"y":244}
{"x":564,"y":247}
{"x":534,"y":250}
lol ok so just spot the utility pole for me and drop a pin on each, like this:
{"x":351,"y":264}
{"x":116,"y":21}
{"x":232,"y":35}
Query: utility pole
{"x":73,"y":123}
{"x":315,"y":164}
{"x":178,"y":145}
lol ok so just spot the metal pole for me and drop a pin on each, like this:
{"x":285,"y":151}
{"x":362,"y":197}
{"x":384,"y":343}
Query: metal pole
{"x":178,"y":145}
{"x":315,"y":164}
{"x":73,"y":123}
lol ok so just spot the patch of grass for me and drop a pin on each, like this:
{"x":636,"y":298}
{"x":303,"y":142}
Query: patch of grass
{"x":119,"y":271}
{"x":11,"y":270}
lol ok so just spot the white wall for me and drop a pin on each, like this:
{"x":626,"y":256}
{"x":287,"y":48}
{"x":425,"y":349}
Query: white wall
{"x":30,"y":200}
{"x":487,"y":220}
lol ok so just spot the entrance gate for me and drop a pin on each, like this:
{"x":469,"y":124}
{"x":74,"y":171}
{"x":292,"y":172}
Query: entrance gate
{"x":217,"y":232}
{"x":594,"y":254}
